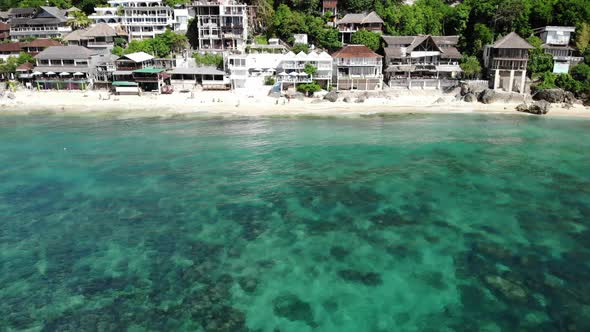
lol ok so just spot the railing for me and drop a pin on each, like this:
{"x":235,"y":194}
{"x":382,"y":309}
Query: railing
{"x":358,"y":63}
{"x":426,"y":83}
{"x":289,"y":79}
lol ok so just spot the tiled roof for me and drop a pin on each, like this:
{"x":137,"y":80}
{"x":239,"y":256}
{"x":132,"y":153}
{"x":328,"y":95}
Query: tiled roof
{"x":4,"y":26}
{"x":25,"y":67}
{"x":42,"y":43}
{"x":362,"y":18}
{"x":355,"y":51}
{"x":512,"y":40}
{"x":11,"y":47}
{"x":65,"y":52}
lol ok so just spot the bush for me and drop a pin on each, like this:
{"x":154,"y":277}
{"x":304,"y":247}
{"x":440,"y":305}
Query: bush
{"x":547,"y":82}
{"x":309,"y":88}
{"x":567,"y":82}
{"x":269,"y":80}
{"x":208,"y":59}
{"x":260,"y":40}
{"x":300,"y":48}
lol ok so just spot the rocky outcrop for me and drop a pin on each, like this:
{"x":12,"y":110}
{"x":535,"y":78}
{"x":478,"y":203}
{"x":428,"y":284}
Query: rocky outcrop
{"x":331,"y":96}
{"x":347,"y":99}
{"x":465,"y":89}
{"x":551,"y":95}
{"x":569,"y":98}
{"x":540,"y":107}
{"x":487,"y":96}
{"x":470,"y":98}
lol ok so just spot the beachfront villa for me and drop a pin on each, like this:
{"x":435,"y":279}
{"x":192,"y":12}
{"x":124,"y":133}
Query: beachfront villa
{"x":141,"y":18}
{"x":126,"y":64}
{"x":356,"y":67}
{"x":291,"y":69}
{"x":222,"y":25}
{"x":100,"y":37}
{"x":15,"y":48}
{"x":64,"y":68}
{"x":206,"y":77}
{"x":47,"y":22}
{"x":556,"y":41}
{"x":352,"y":23}
{"x":426,"y":59}
{"x":506,"y":61}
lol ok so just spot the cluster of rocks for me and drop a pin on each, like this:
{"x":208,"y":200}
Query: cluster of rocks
{"x":555,"y":96}
{"x":540,"y":107}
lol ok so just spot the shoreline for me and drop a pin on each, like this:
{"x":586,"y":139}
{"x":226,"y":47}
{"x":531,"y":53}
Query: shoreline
{"x":230,"y":104}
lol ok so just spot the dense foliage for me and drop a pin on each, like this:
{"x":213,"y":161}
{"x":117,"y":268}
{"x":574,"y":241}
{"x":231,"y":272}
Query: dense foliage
{"x":9,"y":65}
{"x":370,"y":39}
{"x":160,"y":46}
{"x":208,"y":59}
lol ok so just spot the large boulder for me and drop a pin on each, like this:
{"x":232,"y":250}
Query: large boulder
{"x":470,"y":98}
{"x":347,"y":99}
{"x":569,"y":98}
{"x":331,"y":96}
{"x":551,"y":95}
{"x":487,"y":96}
{"x":465,"y":89}
{"x":540,"y":107}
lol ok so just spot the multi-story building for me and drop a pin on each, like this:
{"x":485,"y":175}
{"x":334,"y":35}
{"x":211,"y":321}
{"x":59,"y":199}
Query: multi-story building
{"x":65,"y":68}
{"x":21,"y":13}
{"x":292,"y":69}
{"x":429,"y":57}
{"x":352,"y":23}
{"x":221,"y":24}
{"x":48,"y":22}
{"x":556,"y":41}
{"x":141,"y":18}
{"x":506,"y":61}
{"x":33,"y":48}
{"x":100,"y":37}
{"x":356,"y":67}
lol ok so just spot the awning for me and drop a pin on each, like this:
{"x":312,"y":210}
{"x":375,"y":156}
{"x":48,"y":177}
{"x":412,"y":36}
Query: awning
{"x":448,"y":68}
{"x":149,"y":70}
{"x":124,"y":83}
{"x":122,"y":72}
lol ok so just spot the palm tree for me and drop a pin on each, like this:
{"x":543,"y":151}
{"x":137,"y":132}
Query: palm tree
{"x":78,"y":20}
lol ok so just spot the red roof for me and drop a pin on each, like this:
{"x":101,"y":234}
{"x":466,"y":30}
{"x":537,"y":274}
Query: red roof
{"x":42,"y":43}
{"x":4,"y":26}
{"x":355,"y":51}
{"x":11,"y":47}
{"x":27,"y":66}
{"x":330,"y":3}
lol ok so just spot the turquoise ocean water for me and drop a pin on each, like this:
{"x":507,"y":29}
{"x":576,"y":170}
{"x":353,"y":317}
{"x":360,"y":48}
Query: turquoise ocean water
{"x":399,"y":223}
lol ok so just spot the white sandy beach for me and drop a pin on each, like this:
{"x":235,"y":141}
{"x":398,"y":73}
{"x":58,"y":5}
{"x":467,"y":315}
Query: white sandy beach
{"x":231,"y":103}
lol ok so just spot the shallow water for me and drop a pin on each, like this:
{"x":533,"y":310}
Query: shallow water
{"x":402,"y":223}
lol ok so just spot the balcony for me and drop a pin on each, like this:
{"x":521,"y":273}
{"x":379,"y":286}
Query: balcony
{"x":294,"y":79}
{"x":352,"y":63}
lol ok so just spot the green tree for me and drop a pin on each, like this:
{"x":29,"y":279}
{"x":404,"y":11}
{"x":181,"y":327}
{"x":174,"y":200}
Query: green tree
{"x":358,"y":5}
{"x":368,"y":38}
{"x":209,"y":59}
{"x":581,"y":72}
{"x":78,"y":20}
{"x":481,"y":36}
{"x":300,"y":48}
{"x":567,"y":82}
{"x":309,"y":88}
{"x":310,"y":69}
{"x":470,"y":66}
{"x":539,"y":61}
{"x":583,"y":37}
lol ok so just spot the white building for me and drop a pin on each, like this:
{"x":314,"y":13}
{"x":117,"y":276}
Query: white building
{"x":556,"y":41}
{"x":292,"y":69}
{"x":252,"y":67}
{"x":141,"y":18}
{"x":222,"y":25}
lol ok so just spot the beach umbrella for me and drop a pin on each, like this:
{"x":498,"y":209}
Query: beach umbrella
{"x":64,"y":74}
{"x":36,"y":73}
{"x":302,"y":74}
{"x":282,"y":73}
{"x":293,"y":73}
{"x":78,"y":73}
{"x":50,"y":73}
